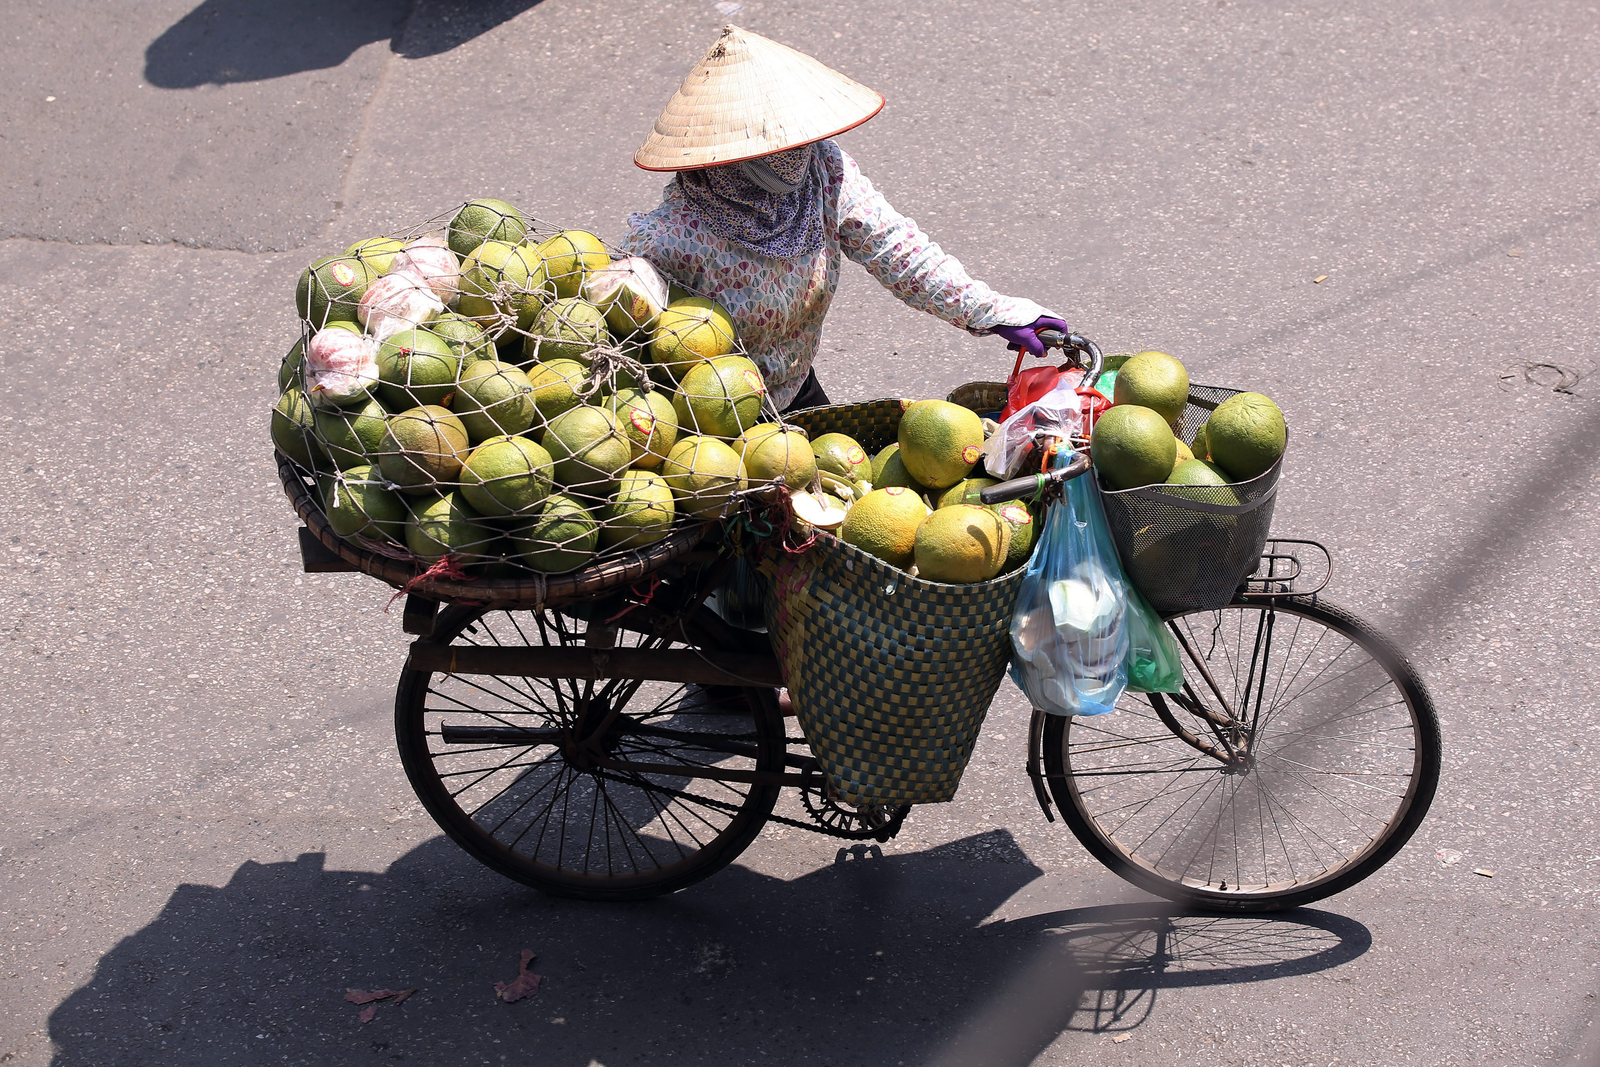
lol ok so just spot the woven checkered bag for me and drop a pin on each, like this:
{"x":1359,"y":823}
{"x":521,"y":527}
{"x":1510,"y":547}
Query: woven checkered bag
{"x":891,"y":676}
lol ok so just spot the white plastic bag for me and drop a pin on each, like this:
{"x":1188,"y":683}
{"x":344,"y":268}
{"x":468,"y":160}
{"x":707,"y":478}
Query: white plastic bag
{"x":1057,"y":415}
{"x":1069,"y":636}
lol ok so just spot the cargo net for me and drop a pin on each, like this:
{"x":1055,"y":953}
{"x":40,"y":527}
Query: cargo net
{"x":1189,"y":547}
{"x":488,"y":396}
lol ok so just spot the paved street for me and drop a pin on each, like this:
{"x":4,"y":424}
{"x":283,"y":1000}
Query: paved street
{"x":1383,"y":216}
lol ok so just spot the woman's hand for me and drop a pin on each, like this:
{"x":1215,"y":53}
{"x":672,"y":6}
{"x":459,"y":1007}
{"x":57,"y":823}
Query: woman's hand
{"x":1020,"y":337}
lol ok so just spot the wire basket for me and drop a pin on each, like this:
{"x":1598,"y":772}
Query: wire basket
{"x":1189,"y":548}
{"x":489,"y":408}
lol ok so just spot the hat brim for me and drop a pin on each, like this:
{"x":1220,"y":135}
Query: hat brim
{"x":762,"y":152}
{"x":749,"y":97}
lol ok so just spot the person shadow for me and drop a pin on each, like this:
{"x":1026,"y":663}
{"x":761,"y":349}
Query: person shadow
{"x":226,"y":41}
{"x":873,"y":959}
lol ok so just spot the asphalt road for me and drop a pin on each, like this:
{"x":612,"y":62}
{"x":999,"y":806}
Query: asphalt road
{"x":207,"y":837}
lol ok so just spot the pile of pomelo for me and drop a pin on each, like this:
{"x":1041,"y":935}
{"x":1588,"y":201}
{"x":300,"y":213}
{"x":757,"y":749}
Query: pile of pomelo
{"x":1137,"y":441}
{"x":915,"y":504}
{"x":515,"y":400}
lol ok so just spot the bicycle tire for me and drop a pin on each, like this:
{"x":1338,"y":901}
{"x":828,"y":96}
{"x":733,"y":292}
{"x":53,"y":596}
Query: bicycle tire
{"x":1092,"y":821}
{"x":736,"y":814}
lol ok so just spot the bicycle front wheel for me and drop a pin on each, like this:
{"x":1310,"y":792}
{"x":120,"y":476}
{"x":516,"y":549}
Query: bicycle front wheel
{"x":1300,"y":755}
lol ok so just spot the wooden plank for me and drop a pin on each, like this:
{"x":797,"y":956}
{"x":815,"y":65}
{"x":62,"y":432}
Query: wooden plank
{"x":315,"y":557}
{"x":666,"y":665}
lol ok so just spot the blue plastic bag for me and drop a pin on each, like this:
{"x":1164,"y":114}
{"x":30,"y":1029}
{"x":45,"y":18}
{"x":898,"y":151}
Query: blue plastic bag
{"x":1069,"y":635}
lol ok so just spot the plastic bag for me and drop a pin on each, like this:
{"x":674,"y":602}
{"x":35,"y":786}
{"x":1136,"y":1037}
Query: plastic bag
{"x":1069,"y":636}
{"x":1155,"y":664}
{"x":1057,"y":414}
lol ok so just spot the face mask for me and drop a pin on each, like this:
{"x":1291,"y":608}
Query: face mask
{"x":780,"y":173}
{"x":764,"y":176}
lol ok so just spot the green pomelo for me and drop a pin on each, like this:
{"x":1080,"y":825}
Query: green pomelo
{"x":1185,"y":453}
{"x":1156,"y":381}
{"x":894,"y":473}
{"x":447,"y":525}
{"x":485,"y":220}
{"x":358,"y":504}
{"x":639,"y":514}
{"x":353,"y":435}
{"x":294,"y":428}
{"x":881,"y":460}
{"x":377,"y":253}
{"x":416,"y":367}
{"x":785,"y":457}
{"x":1246,"y":435}
{"x":939,"y":442}
{"x":648,"y":420}
{"x":721,"y":397}
{"x":421,"y":448}
{"x":506,"y":476}
{"x":841,"y":455}
{"x":688,"y":331}
{"x":493,"y":398}
{"x":1023,"y":532}
{"x":1200,"y":447}
{"x":704,"y":473}
{"x":1208,"y":477}
{"x":1132,"y":446}
{"x":569,"y":257}
{"x":962,"y":543}
{"x":289,"y":369}
{"x":560,"y":537}
{"x":502,"y":279}
{"x":884,"y":524}
{"x":331,"y":288}
{"x":966,"y":491}
{"x":570,"y":328}
{"x":754,"y":435}
{"x":465,"y":337}
{"x":555,"y":388}
{"x":588,"y":449}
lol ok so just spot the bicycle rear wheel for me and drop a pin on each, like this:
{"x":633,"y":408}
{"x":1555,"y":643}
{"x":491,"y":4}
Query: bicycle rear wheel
{"x":1302,"y":753}
{"x":494,"y":759}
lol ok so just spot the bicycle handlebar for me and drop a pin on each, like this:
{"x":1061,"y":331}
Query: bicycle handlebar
{"x":1018,"y":488}
{"x":1082,"y":345}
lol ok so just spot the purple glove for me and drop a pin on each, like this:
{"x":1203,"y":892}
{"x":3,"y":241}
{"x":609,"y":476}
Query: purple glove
{"x":1020,"y":337}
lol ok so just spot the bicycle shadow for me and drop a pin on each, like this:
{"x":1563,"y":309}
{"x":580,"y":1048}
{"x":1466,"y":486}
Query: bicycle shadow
{"x":222,"y":42}
{"x":874,"y":960}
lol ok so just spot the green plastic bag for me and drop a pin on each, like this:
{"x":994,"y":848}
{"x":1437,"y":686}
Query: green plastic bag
{"x":1155,"y":663}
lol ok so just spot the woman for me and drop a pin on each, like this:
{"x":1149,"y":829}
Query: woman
{"x":764,"y":204}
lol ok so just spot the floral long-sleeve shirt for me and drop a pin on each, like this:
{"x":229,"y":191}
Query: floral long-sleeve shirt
{"x":778,"y":304}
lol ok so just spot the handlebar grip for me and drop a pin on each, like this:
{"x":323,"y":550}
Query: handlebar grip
{"x":1017,"y":488}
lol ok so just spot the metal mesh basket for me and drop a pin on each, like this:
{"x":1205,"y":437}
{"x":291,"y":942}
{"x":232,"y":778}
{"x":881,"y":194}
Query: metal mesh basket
{"x":1188,"y":548}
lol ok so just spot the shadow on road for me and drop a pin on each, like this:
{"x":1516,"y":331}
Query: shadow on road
{"x":225,"y":41}
{"x":872,"y":960}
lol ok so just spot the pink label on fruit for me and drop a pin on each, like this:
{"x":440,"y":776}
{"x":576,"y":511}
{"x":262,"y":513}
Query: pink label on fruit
{"x":969,"y":455}
{"x":343,"y":274}
{"x":857,"y":456}
{"x":1016,"y":515}
{"x":895,"y":490}
{"x":642,"y":421}
{"x":753,"y":380}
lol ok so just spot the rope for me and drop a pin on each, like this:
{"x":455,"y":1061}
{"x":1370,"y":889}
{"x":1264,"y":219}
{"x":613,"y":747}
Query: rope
{"x":445,"y":567}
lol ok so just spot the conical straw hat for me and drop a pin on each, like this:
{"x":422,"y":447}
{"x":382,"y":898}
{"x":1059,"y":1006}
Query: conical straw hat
{"x":750,"y":97}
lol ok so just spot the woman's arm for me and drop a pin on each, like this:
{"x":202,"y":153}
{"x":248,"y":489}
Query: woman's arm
{"x":908,"y":263}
